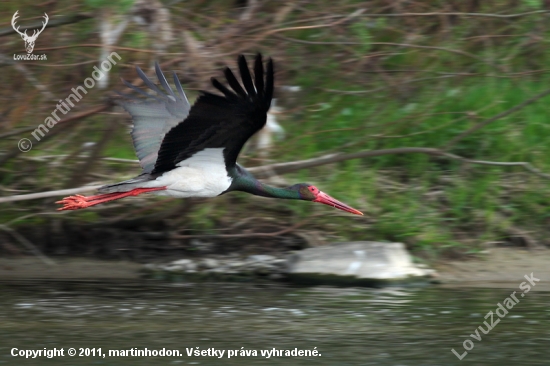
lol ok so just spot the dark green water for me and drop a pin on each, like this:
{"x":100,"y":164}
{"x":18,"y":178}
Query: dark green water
{"x":349,"y":326}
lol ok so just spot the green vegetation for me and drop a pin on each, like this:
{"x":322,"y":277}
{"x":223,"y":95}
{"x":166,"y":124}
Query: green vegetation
{"x":367,"y":82}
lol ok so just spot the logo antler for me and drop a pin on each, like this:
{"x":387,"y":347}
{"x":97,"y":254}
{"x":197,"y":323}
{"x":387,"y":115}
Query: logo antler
{"x":29,"y":40}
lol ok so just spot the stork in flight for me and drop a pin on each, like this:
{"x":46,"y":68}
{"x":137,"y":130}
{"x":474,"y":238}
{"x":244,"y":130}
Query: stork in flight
{"x":189,"y":151}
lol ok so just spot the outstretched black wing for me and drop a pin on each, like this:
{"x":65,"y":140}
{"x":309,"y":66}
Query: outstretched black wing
{"x":216,"y":121}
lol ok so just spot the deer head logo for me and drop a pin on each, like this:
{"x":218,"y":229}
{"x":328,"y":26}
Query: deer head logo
{"x":29,"y":40}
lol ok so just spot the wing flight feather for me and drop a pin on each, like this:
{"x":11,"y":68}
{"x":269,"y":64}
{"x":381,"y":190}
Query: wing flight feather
{"x":226,"y":121}
{"x":168,"y":131}
{"x":154,"y":117}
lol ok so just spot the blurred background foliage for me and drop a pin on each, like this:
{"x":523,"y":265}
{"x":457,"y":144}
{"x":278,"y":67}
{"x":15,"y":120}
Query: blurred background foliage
{"x":350,"y":76}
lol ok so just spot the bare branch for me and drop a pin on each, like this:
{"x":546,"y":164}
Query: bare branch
{"x":407,"y":45}
{"x":339,"y":21}
{"x":28,"y":74}
{"x":75,"y":117}
{"x":59,"y":192}
{"x":486,"y":15}
{"x":525,"y":165}
{"x":248,"y":235}
{"x":283,"y":168}
{"x":97,"y":45}
{"x":58,"y":21}
{"x":494,"y":118}
{"x":101,"y":108}
{"x":267,"y":171}
{"x":16,"y":151}
{"x":375,"y":90}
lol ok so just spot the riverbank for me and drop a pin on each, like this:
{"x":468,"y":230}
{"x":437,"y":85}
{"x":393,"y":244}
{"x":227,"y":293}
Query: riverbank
{"x":496,"y":268}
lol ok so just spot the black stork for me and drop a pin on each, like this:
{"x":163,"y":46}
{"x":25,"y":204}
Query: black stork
{"x":189,"y":151}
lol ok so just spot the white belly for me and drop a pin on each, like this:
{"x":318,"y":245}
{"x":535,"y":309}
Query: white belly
{"x":202,"y":175}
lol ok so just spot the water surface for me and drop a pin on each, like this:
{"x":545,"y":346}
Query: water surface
{"x":348,"y":326}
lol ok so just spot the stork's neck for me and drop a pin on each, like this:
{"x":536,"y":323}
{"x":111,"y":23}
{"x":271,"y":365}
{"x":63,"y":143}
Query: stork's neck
{"x":264,"y":190}
{"x":244,"y":181}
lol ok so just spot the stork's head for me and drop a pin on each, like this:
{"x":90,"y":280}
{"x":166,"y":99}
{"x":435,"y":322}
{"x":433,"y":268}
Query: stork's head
{"x":309,"y":192}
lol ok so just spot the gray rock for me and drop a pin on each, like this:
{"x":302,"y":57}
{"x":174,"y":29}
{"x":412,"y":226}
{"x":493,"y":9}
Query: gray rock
{"x":260,"y":258}
{"x":236,"y":264}
{"x":172,"y":268}
{"x":370,"y":263}
{"x":210,"y":263}
{"x":254,"y":266}
{"x":182,"y":262}
{"x":281,"y":265}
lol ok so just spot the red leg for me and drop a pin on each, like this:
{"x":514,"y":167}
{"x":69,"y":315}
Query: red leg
{"x":77,"y":201}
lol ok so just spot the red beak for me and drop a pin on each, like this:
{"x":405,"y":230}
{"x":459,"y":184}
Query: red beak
{"x":328,"y":200}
